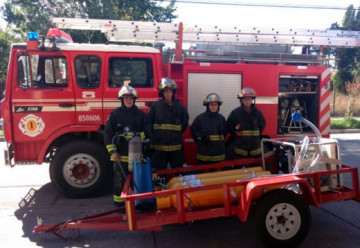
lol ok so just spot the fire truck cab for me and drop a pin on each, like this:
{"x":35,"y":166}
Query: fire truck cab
{"x":57,"y":101}
{"x":59,"y":94}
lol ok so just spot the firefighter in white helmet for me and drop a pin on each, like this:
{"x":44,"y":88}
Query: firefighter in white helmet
{"x":126,"y":120}
{"x":245,"y":124}
{"x":167,"y":120}
{"x":209,"y":131}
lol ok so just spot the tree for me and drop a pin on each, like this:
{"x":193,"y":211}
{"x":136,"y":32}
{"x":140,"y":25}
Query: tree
{"x":6,"y":39}
{"x":348,"y":66}
{"x":28,"y":15}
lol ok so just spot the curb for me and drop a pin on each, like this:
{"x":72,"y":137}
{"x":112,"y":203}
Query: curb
{"x":335,"y":131}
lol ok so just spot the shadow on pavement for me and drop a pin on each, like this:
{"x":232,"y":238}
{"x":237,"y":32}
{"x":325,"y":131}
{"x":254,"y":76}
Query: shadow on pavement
{"x":52,"y":207}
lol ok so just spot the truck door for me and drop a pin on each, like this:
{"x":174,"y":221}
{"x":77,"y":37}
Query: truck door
{"x":42,"y":101}
{"x":88,"y":94}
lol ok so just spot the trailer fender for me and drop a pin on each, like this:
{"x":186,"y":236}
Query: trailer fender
{"x":58,"y":133}
{"x":248,"y":194}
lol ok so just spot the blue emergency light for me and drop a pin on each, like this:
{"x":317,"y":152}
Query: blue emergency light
{"x":33,"y":36}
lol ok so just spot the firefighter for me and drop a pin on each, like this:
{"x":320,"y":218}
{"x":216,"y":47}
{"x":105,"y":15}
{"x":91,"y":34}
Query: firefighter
{"x":245,"y":124}
{"x":127,"y":120}
{"x":167,"y":120}
{"x":209,"y":131}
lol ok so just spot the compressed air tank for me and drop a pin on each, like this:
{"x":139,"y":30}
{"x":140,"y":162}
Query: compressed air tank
{"x":218,"y":174}
{"x":209,"y":198}
{"x":143,"y":184}
{"x":135,"y":151}
{"x":216,"y":180}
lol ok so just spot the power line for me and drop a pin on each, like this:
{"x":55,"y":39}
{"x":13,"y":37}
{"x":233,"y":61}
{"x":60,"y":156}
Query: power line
{"x":257,"y":4}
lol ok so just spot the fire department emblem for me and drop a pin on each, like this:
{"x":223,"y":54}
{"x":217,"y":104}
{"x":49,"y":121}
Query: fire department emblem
{"x":31,"y":125}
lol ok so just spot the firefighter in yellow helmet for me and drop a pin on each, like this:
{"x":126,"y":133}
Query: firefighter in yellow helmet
{"x":167,"y":120}
{"x":209,"y":131}
{"x":245,"y":124}
{"x":128,"y":120}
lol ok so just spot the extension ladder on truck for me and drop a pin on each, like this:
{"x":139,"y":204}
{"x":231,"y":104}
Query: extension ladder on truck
{"x":116,"y":30}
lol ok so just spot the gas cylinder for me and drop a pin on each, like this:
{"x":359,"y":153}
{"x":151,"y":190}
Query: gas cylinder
{"x":217,"y":174}
{"x":208,"y":198}
{"x":216,"y":180}
{"x":135,"y":151}
{"x":143,"y":184}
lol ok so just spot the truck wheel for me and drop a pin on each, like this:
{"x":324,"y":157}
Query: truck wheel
{"x":282,"y":219}
{"x":80,"y":169}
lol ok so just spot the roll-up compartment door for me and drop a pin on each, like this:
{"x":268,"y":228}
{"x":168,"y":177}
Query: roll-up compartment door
{"x":201,"y":84}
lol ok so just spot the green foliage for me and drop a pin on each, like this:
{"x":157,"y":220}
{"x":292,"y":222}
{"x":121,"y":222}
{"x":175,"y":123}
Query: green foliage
{"x":347,"y":123}
{"x":24,"y":16}
{"x":336,"y":83}
{"x":29,"y":15}
{"x":6,"y":39}
{"x":348,"y":66}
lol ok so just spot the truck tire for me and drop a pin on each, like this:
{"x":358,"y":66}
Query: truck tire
{"x":80,"y":169}
{"x":282,"y":219}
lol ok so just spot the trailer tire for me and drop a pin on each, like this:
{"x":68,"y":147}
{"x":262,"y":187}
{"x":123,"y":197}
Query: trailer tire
{"x":80,"y":169}
{"x":282,"y":219}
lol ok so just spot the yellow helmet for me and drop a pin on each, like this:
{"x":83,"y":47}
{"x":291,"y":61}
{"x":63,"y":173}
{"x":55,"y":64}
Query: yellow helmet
{"x":247,"y":92}
{"x":212,"y":97}
{"x":127,"y":91}
{"x":167,"y":83}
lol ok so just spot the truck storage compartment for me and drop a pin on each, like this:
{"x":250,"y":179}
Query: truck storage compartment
{"x":297,"y":93}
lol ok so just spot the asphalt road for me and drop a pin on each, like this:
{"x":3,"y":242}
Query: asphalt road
{"x":334,"y":225}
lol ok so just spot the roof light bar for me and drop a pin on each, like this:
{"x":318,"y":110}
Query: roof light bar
{"x":59,"y":35}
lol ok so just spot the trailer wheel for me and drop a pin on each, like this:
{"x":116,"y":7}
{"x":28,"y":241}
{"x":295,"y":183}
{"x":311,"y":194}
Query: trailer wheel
{"x":282,"y":219}
{"x":80,"y":169}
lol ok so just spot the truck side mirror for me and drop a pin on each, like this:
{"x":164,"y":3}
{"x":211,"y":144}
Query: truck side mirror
{"x":22,"y":81}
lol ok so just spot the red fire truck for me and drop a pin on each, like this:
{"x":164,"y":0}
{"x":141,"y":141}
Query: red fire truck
{"x":58,"y":93}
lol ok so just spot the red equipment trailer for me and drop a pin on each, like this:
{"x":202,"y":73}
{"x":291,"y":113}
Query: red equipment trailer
{"x":279,"y":203}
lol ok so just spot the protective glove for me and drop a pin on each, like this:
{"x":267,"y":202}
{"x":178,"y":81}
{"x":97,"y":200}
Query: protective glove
{"x":115,"y":157}
{"x":141,"y":136}
{"x":204,"y":137}
{"x":147,"y":150}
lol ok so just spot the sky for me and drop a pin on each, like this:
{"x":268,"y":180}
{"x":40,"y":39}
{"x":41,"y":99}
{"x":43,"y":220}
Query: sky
{"x":246,"y":16}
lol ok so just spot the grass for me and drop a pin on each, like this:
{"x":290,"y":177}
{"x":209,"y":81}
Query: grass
{"x":347,"y":123}
{"x":339,"y":108}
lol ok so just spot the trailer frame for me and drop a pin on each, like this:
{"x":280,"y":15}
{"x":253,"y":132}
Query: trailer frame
{"x":129,"y":219}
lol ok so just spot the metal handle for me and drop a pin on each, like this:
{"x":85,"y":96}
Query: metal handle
{"x":66,"y":105}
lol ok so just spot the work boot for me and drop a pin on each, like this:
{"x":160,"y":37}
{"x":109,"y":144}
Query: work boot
{"x":119,"y":204}
{"x":118,"y":201}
